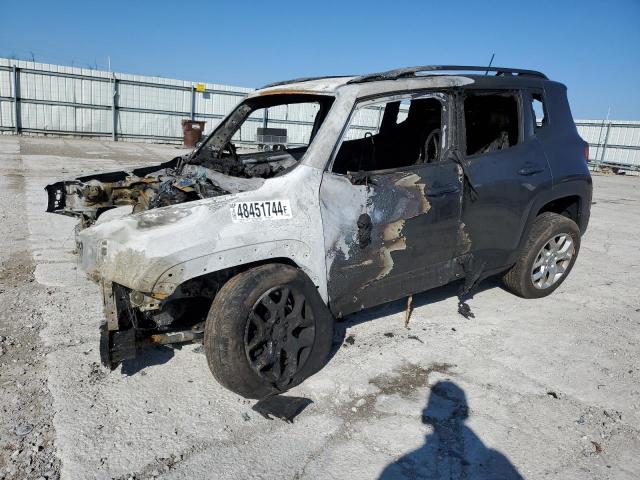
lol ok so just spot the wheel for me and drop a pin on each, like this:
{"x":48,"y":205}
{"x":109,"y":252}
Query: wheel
{"x":267,"y":331}
{"x":547,"y":257}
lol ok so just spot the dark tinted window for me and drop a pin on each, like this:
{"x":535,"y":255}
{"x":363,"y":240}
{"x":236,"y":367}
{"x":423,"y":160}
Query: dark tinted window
{"x":491,"y":121}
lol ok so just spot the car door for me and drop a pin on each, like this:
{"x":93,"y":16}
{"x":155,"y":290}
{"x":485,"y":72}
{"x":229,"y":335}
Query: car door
{"x":506,"y":176}
{"x":390,"y":231}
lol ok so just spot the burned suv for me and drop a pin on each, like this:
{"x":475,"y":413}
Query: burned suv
{"x":388,"y":184}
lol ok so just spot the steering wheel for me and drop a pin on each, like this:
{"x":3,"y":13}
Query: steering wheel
{"x":231,"y":149}
{"x":431,"y":149}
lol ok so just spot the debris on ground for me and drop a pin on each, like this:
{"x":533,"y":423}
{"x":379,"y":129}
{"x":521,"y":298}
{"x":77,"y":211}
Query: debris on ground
{"x":408,"y":311}
{"x":473,"y":270}
{"x":552,"y":394}
{"x":350,"y":340}
{"x":280,"y":406}
{"x":23,"y":429}
{"x":96,"y":373}
{"x":597,"y":446}
{"x":415,"y":337}
{"x":389,"y":334}
{"x":464,"y":309}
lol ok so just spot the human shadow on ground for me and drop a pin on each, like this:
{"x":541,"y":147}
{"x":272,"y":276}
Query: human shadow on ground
{"x":452,"y":450}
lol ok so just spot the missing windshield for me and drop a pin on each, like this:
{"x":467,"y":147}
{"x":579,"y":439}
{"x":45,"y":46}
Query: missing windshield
{"x":261,"y":139}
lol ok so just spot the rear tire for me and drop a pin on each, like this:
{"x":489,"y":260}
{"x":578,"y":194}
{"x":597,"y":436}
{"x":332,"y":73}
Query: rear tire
{"x":547,"y":257}
{"x":267,"y":331}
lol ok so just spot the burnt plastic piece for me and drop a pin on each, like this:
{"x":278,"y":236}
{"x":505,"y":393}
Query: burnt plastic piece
{"x":56,"y":196}
{"x":465,"y":310}
{"x":285,"y":408}
{"x":116,"y":346}
{"x":364,"y":230}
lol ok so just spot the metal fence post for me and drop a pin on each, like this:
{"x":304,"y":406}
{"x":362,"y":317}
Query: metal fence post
{"x":606,"y":140}
{"x":193,"y":102}
{"x":114,"y":109}
{"x":16,"y":99}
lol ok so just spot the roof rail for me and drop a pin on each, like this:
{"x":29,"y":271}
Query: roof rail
{"x":302,"y":79}
{"x":412,"y":71}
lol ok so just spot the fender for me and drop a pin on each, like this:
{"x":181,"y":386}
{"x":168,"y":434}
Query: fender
{"x":156,"y":250}
{"x":578,"y":187}
{"x":298,"y":252}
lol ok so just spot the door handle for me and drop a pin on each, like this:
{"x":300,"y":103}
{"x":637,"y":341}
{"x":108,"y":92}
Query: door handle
{"x":530,"y":169}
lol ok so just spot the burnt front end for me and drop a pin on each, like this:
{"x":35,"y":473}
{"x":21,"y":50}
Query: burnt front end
{"x":135,"y":320}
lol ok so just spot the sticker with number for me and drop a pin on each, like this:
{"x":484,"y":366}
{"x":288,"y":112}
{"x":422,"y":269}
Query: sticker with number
{"x":265,"y":210}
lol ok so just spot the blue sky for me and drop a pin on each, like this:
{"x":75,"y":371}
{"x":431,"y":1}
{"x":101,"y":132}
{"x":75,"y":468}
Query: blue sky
{"x":591,"y":46}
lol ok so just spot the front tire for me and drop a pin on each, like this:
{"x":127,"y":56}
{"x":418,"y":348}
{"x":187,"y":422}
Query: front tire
{"x":546,"y":258}
{"x":267,"y":331}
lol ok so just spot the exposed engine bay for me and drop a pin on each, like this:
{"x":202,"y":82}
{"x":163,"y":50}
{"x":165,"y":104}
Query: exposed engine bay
{"x":172,"y":182}
{"x":217,"y":167}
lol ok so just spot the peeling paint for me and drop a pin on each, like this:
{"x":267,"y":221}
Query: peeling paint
{"x":464,"y":239}
{"x":393,"y":241}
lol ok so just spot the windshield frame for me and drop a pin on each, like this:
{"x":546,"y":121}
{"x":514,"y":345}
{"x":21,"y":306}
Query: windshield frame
{"x":222,"y":135}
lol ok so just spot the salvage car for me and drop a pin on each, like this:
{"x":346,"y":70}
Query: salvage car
{"x":392,"y":183}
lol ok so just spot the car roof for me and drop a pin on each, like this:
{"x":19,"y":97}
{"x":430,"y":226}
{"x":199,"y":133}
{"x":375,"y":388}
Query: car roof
{"x":502,"y":76}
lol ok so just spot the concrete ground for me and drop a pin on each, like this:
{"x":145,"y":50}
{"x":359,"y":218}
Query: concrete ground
{"x":536,"y":388}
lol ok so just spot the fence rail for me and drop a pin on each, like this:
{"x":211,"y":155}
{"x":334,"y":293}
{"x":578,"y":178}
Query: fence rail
{"x":53,"y":99}
{"x":15,"y":123}
{"x":612,"y":143}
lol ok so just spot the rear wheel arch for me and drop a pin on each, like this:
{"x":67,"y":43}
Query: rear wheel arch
{"x":569,"y":206}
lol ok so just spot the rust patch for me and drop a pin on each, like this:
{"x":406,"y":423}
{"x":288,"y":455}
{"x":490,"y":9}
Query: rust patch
{"x":404,"y":382}
{"x":408,"y":378}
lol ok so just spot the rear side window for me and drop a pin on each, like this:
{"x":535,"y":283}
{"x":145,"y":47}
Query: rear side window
{"x":492,"y":122}
{"x":538,"y":111}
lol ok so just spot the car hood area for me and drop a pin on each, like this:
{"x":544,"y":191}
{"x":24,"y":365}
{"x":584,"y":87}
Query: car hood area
{"x":174,"y":182}
{"x":157,"y":249}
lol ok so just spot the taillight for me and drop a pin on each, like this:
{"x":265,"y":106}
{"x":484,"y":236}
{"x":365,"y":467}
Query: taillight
{"x":586,"y":152}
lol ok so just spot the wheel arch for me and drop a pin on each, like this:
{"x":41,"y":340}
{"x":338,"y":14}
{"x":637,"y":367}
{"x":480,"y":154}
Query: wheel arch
{"x":231,"y":262}
{"x":569,"y":206}
{"x":568,"y":203}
